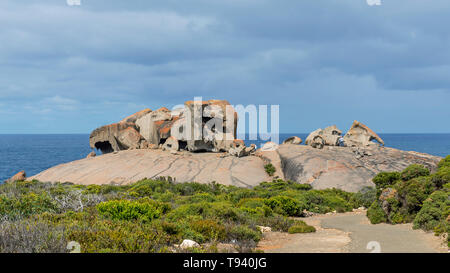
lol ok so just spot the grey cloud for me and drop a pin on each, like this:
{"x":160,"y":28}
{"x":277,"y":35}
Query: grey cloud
{"x":111,"y":58}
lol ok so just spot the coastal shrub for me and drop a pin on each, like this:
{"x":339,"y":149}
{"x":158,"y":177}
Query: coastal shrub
{"x":145,"y":210}
{"x":255,"y":206}
{"x":445,"y":162}
{"x":32,"y":236}
{"x":277,"y":222}
{"x":285,"y":205}
{"x":201,"y":197}
{"x":191,"y":188}
{"x":376,"y":214}
{"x":217,"y":210}
{"x":244,"y":233}
{"x":103,"y":189}
{"x":434,"y":212}
{"x":301,"y":227}
{"x":26,"y":205}
{"x":412,"y":193}
{"x":441,"y":177}
{"x":365,"y":197}
{"x":116,"y":236}
{"x":413,"y":171}
{"x":323,"y":201}
{"x":385,"y":179}
{"x":270,"y":169}
{"x":209,"y":229}
{"x":279,"y":185}
{"x":238,"y":194}
{"x":251,"y":203}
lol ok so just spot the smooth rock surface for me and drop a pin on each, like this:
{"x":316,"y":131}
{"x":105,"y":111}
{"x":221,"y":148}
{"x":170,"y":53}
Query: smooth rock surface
{"x":344,"y":167}
{"x":133,"y":165}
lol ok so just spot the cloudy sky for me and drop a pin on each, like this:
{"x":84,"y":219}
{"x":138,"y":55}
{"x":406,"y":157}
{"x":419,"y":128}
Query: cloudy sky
{"x":70,"y":69}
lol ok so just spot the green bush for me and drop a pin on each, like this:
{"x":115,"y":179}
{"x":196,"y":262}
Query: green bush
{"x":114,"y":236}
{"x":244,"y":233}
{"x":209,"y":229}
{"x":301,"y":227}
{"x":434,"y":212}
{"x":201,"y":197}
{"x":277,"y":222}
{"x":217,"y":210}
{"x":441,"y":177}
{"x":270,"y":169}
{"x":365,"y":197}
{"x":285,"y":205}
{"x":26,"y":205}
{"x":444,"y":162}
{"x":278,"y":185}
{"x":412,"y":193}
{"x":145,"y":210}
{"x":386,"y":179}
{"x":376,"y":214}
{"x":413,"y":171}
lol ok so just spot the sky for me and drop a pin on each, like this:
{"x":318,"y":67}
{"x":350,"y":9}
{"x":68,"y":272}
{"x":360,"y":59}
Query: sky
{"x":71,"y":69}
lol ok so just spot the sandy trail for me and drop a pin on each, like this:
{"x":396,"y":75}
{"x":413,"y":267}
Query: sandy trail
{"x":352,"y":232}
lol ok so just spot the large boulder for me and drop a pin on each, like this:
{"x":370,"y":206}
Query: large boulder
{"x":150,"y":125}
{"x":213,"y":125}
{"x":108,"y":138}
{"x":295,"y":140}
{"x":361,"y":135}
{"x":20,"y":176}
{"x":324,"y":137}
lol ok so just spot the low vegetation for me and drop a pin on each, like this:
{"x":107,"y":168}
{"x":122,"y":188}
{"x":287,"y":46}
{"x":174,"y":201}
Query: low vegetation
{"x":414,"y":195}
{"x":156,"y":215}
{"x":270,"y":169}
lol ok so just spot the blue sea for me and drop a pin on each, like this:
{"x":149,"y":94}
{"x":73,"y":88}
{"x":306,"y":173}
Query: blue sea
{"x":35,"y":153}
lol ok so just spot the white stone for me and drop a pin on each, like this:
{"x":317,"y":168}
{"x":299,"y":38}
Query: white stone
{"x":269,"y":146}
{"x":188,"y":244}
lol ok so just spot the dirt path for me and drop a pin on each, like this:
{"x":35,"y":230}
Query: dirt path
{"x":352,"y":232}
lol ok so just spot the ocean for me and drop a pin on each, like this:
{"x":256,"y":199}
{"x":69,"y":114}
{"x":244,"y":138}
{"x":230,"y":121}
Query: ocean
{"x":35,"y":153}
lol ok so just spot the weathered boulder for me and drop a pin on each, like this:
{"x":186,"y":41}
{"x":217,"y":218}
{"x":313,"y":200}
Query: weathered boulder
{"x":151,"y":126}
{"x":201,"y":126}
{"x":210,"y":123}
{"x":105,"y":138}
{"x":129,"y":138}
{"x":340,"y":167}
{"x":361,"y":135}
{"x":295,"y":140}
{"x":324,"y":137}
{"x":269,"y":146}
{"x":20,"y":176}
{"x":171,"y":144}
{"x":239,"y":149}
{"x":91,"y":154}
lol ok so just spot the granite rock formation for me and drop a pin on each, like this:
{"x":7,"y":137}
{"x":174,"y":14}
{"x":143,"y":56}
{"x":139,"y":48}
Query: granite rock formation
{"x":201,"y":126}
{"x":295,"y":140}
{"x":361,"y":135}
{"x":20,"y":176}
{"x":324,"y":137}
